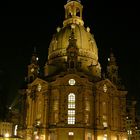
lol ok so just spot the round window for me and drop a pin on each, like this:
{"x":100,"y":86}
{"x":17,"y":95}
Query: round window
{"x":72,"y":82}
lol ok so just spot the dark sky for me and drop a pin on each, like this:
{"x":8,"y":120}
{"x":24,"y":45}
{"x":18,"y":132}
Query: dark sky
{"x":23,"y":25}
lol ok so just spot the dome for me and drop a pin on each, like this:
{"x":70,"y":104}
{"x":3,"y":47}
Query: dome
{"x":86,"y":59}
{"x":85,"y":43}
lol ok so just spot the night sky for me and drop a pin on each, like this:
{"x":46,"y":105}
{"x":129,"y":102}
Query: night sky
{"x":23,"y":25}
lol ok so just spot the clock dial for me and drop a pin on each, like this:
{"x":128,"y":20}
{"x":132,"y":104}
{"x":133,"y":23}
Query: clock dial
{"x":32,"y":69}
{"x":72,"y":82}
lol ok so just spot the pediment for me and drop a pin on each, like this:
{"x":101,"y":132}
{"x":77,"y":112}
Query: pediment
{"x":79,"y":80}
{"x":105,"y":85}
{"x":38,"y":82}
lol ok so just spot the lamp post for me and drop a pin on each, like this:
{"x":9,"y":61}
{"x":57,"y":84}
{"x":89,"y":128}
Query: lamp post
{"x":6,"y":136}
{"x":128,"y":127}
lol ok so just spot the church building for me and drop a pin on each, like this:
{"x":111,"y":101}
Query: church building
{"x":73,"y":100}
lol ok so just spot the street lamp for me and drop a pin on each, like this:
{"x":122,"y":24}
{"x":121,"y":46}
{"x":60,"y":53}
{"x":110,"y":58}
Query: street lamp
{"x":36,"y":137}
{"x":7,"y":135}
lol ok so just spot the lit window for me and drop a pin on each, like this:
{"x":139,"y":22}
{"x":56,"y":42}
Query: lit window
{"x":71,"y":100}
{"x":105,"y":137}
{"x":70,"y":133}
{"x":71,"y":108}
{"x":71,"y":112}
{"x":55,"y":107}
{"x":129,"y":132}
{"x":105,"y":124}
{"x":71,"y":116}
{"x":87,"y":106}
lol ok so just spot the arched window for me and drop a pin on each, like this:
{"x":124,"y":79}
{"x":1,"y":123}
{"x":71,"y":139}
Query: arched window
{"x":71,"y":101}
{"x":71,"y":108}
{"x":78,"y":12}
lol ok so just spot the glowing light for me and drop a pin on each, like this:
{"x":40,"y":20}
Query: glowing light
{"x":35,"y":132}
{"x":105,"y":88}
{"x":73,"y":26}
{"x":105,"y":124}
{"x":10,"y":108}
{"x":32,"y":69}
{"x":58,"y":29}
{"x":108,"y":59}
{"x":39,"y":87}
{"x":7,"y":135}
{"x":71,"y":133}
{"x":88,"y":29}
{"x":129,"y":132}
{"x":72,"y":82}
{"x":15,"y":131}
{"x":38,"y":123}
{"x":105,"y":137}
{"x":37,"y":137}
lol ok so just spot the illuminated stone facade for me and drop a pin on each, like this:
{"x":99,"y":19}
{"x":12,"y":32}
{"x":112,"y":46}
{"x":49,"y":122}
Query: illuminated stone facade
{"x":8,"y":131}
{"x":6,"y":128}
{"x":72,"y":101}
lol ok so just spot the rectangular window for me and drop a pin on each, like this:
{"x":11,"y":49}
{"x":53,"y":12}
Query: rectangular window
{"x":71,"y":116}
{"x":70,"y":133}
{"x":71,"y":112}
{"x":71,"y":105}
{"x":71,"y":108}
{"x":105,"y":124}
{"x":70,"y":136}
{"x":71,"y":120}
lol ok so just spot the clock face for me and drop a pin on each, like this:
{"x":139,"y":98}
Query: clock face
{"x":105,"y":88}
{"x":72,"y":82}
{"x":32,"y":69}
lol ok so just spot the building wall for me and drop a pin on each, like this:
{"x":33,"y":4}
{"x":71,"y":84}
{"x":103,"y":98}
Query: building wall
{"x":98,"y":113}
{"x":74,"y":103}
{"x":6,"y":128}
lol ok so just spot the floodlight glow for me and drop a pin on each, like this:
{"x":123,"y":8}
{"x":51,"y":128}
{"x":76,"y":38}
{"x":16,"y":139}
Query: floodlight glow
{"x":6,"y":135}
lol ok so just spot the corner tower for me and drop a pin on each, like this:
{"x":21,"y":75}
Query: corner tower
{"x":33,"y":68}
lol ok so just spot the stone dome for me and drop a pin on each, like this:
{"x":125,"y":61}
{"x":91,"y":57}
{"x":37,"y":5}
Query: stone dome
{"x":85,"y":43}
{"x":87,"y":55}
